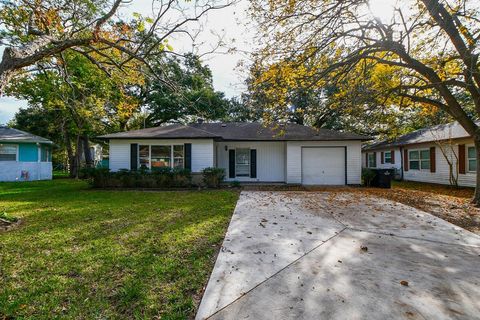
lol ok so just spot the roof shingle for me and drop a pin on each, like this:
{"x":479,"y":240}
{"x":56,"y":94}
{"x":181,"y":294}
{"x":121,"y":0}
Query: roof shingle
{"x":15,"y":135}
{"x":237,"y":131}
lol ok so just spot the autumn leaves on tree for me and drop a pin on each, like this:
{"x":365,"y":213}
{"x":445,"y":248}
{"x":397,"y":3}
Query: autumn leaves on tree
{"x":425,"y":57}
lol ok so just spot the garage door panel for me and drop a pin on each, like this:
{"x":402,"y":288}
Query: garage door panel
{"x":323,"y":166}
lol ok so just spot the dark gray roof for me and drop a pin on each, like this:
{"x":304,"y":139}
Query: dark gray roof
{"x":15,"y":135}
{"x":238,"y":131}
{"x":436,"y":133}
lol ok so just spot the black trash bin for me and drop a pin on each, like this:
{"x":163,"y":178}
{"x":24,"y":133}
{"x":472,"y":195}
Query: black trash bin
{"x":383,"y":178}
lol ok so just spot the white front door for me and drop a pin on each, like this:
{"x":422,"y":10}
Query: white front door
{"x":323,"y":165}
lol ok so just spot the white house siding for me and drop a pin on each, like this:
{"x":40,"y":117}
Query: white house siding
{"x":202,"y":151}
{"x":294,"y":159}
{"x":12,"y":170}
{"x":398,"y":159}
{"x":270,"y":159}
{"x":442,"y":172}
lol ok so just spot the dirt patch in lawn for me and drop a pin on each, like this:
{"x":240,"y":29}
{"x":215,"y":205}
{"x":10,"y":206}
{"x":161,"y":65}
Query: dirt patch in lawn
{"x":6,"y":225}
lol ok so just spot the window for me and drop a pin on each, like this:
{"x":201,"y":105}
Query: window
{"x":144,"y":156}
{"x":8,"y":153}
{"x":472,"y":159}
{"x":155,"y":157}
{"x":419,"y":159}
{"x":371,"y":160}
{"x":387,"y":156}
{"x":242,"y":162}
{"x":161,"y":157}
{"x":178,"y":156}
{"x":44,"y":154}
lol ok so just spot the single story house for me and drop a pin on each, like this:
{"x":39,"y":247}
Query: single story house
{"x":24,"y":156}
{"x":424,"y":155}
{"x":249,"y":152}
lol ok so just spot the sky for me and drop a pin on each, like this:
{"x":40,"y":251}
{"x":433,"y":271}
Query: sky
{"x":229,"y":23}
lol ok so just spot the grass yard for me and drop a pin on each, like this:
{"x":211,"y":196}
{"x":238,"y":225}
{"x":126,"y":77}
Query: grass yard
{"x":91,"y":254}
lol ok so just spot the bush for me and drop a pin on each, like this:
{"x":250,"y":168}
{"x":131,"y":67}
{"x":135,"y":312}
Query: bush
{"x":235,"y":184}
{"x":367,"y":176}
{"x":213,"y":177}
{"x":158,"y":178}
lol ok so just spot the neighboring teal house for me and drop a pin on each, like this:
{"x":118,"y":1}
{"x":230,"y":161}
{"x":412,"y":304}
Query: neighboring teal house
{"x":24,"y":156}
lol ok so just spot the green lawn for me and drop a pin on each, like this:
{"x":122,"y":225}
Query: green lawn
{"x":92,"y":254}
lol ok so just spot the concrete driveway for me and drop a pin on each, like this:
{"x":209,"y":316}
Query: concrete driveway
{"x":339,"y":255}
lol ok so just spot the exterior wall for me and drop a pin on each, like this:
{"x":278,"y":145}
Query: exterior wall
{"x":441,"y":174}
{"x":28,"y":152}
{"x":270,"y":159}
{"x":12,"y":170}
{"x":202,"y":151}
{"x":294,"y":159}
{"x":28,"y":162}
{"x":398,"y":159}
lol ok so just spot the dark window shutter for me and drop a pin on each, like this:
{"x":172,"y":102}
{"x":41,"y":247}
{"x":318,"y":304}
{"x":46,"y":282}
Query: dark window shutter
{"x":382,"y":159}
{"x":231,"y":163}
{"x":462,"y":160}
{"x":433,"y":161}
{"x":405,"y":160}
{"x":253,"y":163}
{"x":392,"y":152}
{"x":188,"y":156}
{"x":134,"y":156}
{"x":374,"y":159}
{"x":366,"y":159}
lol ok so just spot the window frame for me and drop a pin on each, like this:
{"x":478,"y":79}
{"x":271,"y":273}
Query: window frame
{"x":172,"y":154}
{"x":468,"y":159}
{"x":371,"y":157}
{"x":249,"y":150}
{"x":44,"y":151}
{"x":419,"y":159}
{"x":385,"y":157}
{"x":17,"y":151}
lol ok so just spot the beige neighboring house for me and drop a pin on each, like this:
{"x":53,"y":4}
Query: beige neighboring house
{"x":439,"y":154}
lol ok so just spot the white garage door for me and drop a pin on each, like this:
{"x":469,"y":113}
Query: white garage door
{"x":323,"y":166}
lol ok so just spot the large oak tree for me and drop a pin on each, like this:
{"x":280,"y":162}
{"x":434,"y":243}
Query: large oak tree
{"x":432,"y":45}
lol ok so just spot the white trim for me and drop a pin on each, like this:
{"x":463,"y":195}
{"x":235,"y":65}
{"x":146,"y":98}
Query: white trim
{"x":385,"y":157}
{"x":467,"y":159}
{"x":150,"y":145}
{"x":419,"y":150}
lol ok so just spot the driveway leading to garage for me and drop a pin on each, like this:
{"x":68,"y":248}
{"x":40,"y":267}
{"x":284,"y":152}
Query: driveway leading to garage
{"x":336,"y":255}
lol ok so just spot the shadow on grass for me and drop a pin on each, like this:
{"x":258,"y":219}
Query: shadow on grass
{"x":85,"y":253}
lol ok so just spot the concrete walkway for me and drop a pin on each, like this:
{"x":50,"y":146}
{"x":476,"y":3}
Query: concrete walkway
{"x":336,"y":255}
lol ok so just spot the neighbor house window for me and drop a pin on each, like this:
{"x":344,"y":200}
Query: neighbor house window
{"x":472,"y":159}
{"x":44,"y":154}
{"x":242,"y":162}
{"x":161,"y":156}
{"x":388,"y":157}
{"x":419,"y":159}
{"x":8,"y":153}
{"x":371,"y":160}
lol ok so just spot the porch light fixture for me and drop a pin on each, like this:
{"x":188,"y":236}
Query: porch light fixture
{"x":226,"y":148}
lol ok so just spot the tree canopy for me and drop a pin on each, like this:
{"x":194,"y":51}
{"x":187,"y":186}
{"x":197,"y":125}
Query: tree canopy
{"x":429,"y":47}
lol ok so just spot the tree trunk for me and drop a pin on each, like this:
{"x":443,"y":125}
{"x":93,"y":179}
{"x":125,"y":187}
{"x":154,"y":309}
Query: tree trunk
{"x":86,"y":152}
{"x":476,"y":197}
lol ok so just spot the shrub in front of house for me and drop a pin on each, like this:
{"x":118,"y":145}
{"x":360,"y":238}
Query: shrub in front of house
{"x":367,"y":176}
{"x":158,"y":178}
{"x":213,"y":177}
